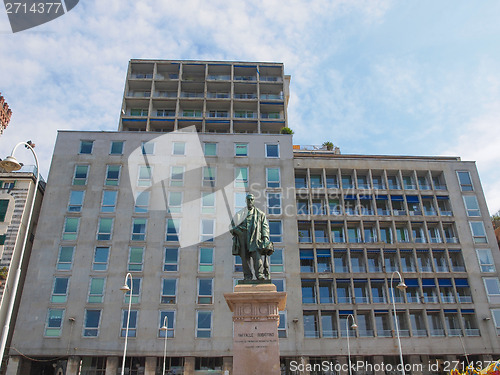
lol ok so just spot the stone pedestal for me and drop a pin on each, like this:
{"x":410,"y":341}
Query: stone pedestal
{"x":255,"y":310}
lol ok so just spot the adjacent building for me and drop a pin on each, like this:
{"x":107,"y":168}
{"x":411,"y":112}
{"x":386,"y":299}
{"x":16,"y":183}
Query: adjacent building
{"x":17,"y":194}
{"x":150,"y":206}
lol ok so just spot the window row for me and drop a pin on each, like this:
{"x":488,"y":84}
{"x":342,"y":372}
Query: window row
{"x":139,"y":227}
{"x":379,"y":231}
{"x":166,"y":323}
{"x":115,"y":148}
{"x":366,"y":291}
{"x":143,"y":202}
{"x":179,"y":148}
{"x":380,"y":323}
{"x":388,"y":260}
{"x":135,"y":263}
{"x":382,"y":205}
{"x":369,"y":179}
{"x":145,"y":174}
{"x":97,"y":288}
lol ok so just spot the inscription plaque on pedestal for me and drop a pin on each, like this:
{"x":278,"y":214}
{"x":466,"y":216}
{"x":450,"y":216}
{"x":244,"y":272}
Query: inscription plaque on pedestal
{"x":255,"y":310}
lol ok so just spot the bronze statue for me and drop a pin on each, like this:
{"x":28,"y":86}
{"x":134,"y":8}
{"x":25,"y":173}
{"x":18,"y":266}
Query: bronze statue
{"x":250,"y":231}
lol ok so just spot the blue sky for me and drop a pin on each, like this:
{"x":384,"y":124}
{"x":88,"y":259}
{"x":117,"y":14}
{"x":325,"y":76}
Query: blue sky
{"x":373,"y":76}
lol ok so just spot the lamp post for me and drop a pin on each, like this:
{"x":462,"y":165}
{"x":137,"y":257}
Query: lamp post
{"x":125,"y":288}
{"x":353,"y":326}
{"x":165,"y":328}
{"x":401,"y":286}
{"x":11,"y":164}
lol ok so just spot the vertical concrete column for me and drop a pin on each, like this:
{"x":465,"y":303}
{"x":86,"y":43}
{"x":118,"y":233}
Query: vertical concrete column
{"x":344,"y":364}
{"x":14,"y":365}
{"x":111,"y":365}
{"x":227,"y":364}
{"x":377,"y":365}
{"x":73,"y":365}
{"x":417,"y":367}
{"x":150,"y":367}
{"x":189,"y":363}
{"x":305,"y":361}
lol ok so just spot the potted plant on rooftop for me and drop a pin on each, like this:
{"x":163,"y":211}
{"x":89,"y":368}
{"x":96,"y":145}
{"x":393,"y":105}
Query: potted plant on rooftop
{"x":328,"y":145}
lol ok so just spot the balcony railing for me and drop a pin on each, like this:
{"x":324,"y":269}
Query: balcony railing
{"x":311,"y":334}
{"x":322,"y":239}
{"x":447,"y":299}
{"x":454,"y":332}
{"x":404,"y":333}
{"x":379,"y":300}
{"x":218,"y":95}
{"x":167,"y":76}
{"x":436,"y":240}
{"x":271,"y":96}
{"x":451,"y":240}
{"x":271,"y":78}
{"x":365,"y":332}
{"x":187,"y":94}
{"x":245,"y":96}
{"x":344,"y":299}
{"x":431,"y":299}
{"x":219,"y":77}
{"x":384,"y":333}
{"x":419,"y":333}
{"x":437,"y":332}
{"x":352,"y":333}
{"x":465,"y":299}
{"x":142,"y":75}
{"x":472,"y":332}
{"x":330,"y":333}
{"x":446,"y":213}
{"x":245,"y":78}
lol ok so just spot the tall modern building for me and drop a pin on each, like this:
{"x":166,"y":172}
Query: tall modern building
{"x":150,"y":206}
{"x":215,"y":97}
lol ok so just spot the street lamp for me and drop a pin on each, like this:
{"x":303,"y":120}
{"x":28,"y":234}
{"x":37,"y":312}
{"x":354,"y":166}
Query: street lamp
{"x":11,"y":164}
{"x":125,"y":288}
{"x":165,"y":328}
{"x":353,"y":326}
{"x":401,"y":286}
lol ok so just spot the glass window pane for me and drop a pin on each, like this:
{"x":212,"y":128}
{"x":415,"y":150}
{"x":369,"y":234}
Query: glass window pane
{"x":86,"y":147}
{"x":210,"y":149}
{"x":116,"y":148}
{"x":241,"y":149}
{"x":272,"y":151}
{"x":76,"y":200}
{"x":179,"y":148}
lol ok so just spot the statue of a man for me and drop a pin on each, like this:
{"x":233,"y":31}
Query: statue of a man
{"x":250,"y":231}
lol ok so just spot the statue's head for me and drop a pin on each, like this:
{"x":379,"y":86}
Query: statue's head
{"x":250,"y":201}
